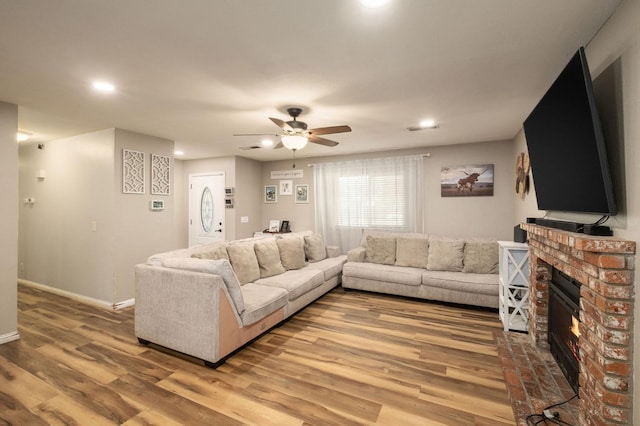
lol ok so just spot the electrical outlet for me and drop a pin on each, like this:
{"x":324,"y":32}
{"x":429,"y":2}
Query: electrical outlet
{"x":94,"y":226}
{"x":244,"y":219}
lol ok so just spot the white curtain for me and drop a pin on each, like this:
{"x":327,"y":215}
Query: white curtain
{"x":382,"y":194}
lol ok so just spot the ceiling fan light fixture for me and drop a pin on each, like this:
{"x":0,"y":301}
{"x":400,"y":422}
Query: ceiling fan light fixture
{"x":294,"y":142}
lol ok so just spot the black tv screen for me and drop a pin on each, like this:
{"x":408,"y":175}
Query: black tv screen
{"x":567,"y":148}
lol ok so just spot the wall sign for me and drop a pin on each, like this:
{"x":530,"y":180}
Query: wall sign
{"x":287,"y":174}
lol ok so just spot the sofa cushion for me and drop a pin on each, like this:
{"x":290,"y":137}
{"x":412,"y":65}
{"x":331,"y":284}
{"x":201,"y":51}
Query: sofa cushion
{"x":244,"y":262}
{"x":268,"y":257}
{"x":296,"y":283}
{"x":445,"y":255}
{"x":211,"y":251}
{"x":314,"y":248}
{"x":220,"y":267}
{"x":385,"y":273}
{"x":330,"y":267}
{"x":463,"y":282}
{"x":481,"y":257}
{"x":381,"y":250}
{"x":291,"y":252}
{"x":260,"y":301}
{"x":412,"y":252}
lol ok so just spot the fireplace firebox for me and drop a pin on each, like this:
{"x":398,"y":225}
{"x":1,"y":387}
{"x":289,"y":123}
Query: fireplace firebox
{"x":564,"y":317}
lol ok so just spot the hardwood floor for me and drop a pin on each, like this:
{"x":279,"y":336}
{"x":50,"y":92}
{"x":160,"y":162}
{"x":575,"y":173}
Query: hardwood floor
{"x":350,"y":358}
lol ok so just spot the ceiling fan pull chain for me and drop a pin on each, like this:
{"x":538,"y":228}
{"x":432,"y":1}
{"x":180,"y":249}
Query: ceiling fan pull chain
{"x":294,"y":158}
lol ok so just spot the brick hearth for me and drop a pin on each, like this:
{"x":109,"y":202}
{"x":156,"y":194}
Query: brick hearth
{"x":604,"y":265}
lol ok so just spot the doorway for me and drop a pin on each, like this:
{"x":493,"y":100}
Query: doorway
{"x":206,"y":208}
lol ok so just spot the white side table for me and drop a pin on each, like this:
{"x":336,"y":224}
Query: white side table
{"x":514,"y":285}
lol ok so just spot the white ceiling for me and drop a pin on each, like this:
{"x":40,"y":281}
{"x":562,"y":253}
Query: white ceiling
{"x":198,"y":71}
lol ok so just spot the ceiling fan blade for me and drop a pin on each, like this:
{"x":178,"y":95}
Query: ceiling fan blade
{"x":322,"y":141}
{"x":280,"y":123}
{"x":329,"y":130}
{"x":280,"y":145}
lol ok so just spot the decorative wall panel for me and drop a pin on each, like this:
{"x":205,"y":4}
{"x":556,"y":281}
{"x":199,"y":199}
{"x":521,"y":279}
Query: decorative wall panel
{"x":132,"y":172}
{"x":160,"y":174}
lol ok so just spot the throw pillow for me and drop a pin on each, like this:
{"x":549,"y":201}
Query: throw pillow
{"x":381,"y":250}
{"x":445,"y":255}
{"x":314,"y":248}
{"x":481,"y":257}
{"x":212,"y":251}
{"x":268,"y":258}
{"x":412,"y":252}
{"x":244,"y":262}
{"x":291,"y":252}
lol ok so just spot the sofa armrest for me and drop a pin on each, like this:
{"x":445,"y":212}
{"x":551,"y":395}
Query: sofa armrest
{"x":356,"y":254}
{"x":179,"y":309}
{"x":333,"y":251}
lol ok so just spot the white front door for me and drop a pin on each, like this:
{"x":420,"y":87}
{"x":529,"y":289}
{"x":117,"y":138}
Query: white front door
{"x":206,"y":208}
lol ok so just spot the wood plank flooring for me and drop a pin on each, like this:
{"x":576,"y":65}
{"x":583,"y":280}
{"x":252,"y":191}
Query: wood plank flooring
{"x":350,"y":358}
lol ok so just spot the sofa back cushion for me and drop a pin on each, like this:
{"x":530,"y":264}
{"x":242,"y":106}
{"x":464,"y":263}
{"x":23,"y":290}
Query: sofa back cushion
{"x":412,"y":252}
{"x":381,"y":250}
{"x":314,"y":248}
{"x":481,"y":257}
{"x":445,"y":255}
{"x":220,"y":267}
{"x":244,"y":262}
{"x":268,"y":257}
{"x":212,"y":251}
{"x":291,"y":252}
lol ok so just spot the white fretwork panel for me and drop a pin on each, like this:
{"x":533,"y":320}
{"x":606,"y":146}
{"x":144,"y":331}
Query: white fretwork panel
{"x":160,"y":174}
{"x":514,"y":285}
{"x":132,"y":172}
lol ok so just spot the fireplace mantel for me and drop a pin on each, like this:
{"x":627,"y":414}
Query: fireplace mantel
{"x":604,"y":265}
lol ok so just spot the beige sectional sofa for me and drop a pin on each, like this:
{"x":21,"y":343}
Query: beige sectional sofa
{"x":425,"y":266}
{"x":208,"y":301}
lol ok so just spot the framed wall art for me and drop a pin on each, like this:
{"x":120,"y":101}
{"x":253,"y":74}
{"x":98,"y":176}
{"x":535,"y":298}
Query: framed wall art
{"x":466,"y":181}
{"x":286,"y":187}
{"x":270,"y":194}
{"x":160,"y":174}
{"x":132,"y":172}
{"x":302,"y":194}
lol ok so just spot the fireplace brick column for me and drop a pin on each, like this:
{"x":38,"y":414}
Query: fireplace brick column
{"x":604,"y":265}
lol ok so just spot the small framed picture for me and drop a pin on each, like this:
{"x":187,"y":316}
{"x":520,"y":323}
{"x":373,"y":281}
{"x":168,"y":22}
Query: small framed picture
{"x":302,"y":194}
{"x":286,"y":187}
{"x":270,"y":195}
{"x":284,"y":227}
{"x":274,"y":226}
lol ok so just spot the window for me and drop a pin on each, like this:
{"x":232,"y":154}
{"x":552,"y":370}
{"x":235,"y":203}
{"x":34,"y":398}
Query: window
{"x":381,"y":194}
{"x":371,"y":201}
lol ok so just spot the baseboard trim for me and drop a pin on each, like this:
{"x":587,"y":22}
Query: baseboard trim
{"x":78,"y":297}
{"x":9,"y":337}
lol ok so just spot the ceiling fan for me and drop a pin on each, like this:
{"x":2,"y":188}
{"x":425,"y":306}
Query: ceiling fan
{"x":295,"y":133}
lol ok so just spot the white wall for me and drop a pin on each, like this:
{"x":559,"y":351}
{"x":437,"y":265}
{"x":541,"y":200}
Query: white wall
{"x":619,"y":38}
{"x":138,"y":231}
{"x":83,"y":235}
{"x":247,"y":196}
{"x":491,"y":216}
{"x":9,"y":222}
{"x":57,"y":246}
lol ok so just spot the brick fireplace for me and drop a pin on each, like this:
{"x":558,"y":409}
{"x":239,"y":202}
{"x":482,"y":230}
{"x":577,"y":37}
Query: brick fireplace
{"x":604,"y":266}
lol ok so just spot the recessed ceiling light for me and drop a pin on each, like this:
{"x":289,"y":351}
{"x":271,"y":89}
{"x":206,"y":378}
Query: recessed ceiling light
{"x":267,"y":142}
{"x":103,"y":86}
{"x":374,"y":3}
{"x":23,"y":136}
{"x":178,"y":153}
{"x":426,"y":124}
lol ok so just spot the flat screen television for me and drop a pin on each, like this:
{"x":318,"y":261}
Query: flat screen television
{"x":567,"y":148}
